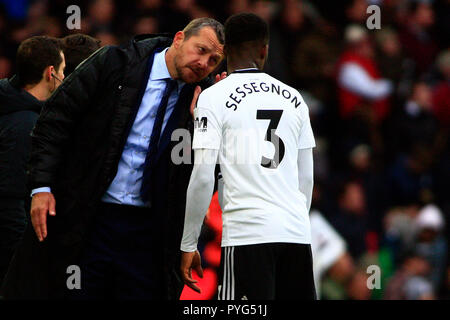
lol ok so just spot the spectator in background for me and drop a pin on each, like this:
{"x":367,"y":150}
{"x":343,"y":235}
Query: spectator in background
{"x":415,"y":124}
{"x":441,"y":92}
{"x":144,"y":16}
{"x":146,"y":24}
{"x":355,"y":11}
{"x":180,"y":12}
{"x":350,"y":220}
{"x":409,"y":281}
{"x":149,"y":4}
{"x":277,"y":59}
{"x":359,"y":80}
{"x":431,"y":243}
{"x":409,"y":177}
{"x":364,"y":168}
{"x":78,"y":47}
{"x":399,"y":230}
{"x":293,"y":21}
{"x":101,"y":22}
{"x":419,"y":288}
{"x":412,"y":140}
{"x":389,"y":55}
{"x":313,"y":61}
{"x":51,"y":27}
{"x":415,"y":35}
{"x":102,"y":14}
{"x":40,"y":70}
{"x":362,"y":94}
{"x":236,"y":6}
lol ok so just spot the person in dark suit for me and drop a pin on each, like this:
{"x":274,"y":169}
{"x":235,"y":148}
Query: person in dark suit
{"x":40,"y":63}
{"x":107,"y":197}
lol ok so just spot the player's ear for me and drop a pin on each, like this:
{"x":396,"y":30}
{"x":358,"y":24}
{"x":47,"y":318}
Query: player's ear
{"x":264,"y":52}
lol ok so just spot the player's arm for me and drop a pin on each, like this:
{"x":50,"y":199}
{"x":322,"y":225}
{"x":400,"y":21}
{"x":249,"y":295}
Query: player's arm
{"x":198,"y":198}
{"x":199,"y":193}
{"x":306,"y":174}
{"x":206,"y":145}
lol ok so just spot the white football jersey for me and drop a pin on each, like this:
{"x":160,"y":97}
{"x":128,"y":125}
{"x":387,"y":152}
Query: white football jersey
{"x":258,"y":124}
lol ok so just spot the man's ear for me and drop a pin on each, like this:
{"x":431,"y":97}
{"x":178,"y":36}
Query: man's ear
{"x":178,"y":39}
{"x":47,"y":74}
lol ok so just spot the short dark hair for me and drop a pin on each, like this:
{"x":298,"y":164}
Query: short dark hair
{"x":77,"y":47}
{"x":34,"y":55}
{"x":197,"y":24}
{"x":245,"y":27}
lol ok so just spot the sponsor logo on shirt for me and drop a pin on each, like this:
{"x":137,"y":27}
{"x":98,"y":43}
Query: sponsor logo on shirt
{"x":201,"y":125}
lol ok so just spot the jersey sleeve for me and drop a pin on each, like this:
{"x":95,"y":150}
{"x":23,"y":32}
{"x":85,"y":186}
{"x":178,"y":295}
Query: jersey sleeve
{"x":207,"y":125}
{"x":306,"y":139}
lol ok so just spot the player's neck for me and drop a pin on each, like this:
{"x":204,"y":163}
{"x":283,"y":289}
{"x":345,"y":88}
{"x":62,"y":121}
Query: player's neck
{"x":234,"y":65}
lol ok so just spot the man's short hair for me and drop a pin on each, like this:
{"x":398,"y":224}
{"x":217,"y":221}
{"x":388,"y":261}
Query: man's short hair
{"x":196,"y":25}
{"x":245,"y":27}
{"x":34,"y":55}
{"x":77,"y":47}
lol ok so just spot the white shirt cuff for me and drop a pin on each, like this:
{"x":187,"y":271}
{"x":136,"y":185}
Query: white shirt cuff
{"x":38,"y":190}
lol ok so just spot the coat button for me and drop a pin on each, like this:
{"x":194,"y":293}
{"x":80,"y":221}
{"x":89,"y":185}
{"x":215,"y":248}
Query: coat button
{"x":120,"y":87}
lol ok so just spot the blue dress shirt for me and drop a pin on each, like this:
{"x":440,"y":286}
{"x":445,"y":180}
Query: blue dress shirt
{"x":125,"y":188}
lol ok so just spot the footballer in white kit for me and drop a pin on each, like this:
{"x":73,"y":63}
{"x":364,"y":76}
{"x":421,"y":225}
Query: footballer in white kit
{"x":258,"y":129}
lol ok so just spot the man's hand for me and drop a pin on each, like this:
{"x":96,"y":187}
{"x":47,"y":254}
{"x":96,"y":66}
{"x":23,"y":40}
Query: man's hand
{"x":221,"y":76}
{"x":189,"y":261}
{"x":42,"y":203}
{"x":198,"y":90}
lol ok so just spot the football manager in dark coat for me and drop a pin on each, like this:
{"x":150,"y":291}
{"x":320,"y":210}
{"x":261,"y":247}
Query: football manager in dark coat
{"x":108,"y":201}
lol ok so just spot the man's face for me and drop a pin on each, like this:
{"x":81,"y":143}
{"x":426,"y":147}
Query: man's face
{"x":59,"y":73}
{"x":197,"y":56}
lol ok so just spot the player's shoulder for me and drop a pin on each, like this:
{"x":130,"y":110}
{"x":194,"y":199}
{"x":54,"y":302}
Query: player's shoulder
{"x":288,"y":93}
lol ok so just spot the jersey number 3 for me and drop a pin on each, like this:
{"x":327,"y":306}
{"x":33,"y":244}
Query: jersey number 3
{"x":274,"y":116}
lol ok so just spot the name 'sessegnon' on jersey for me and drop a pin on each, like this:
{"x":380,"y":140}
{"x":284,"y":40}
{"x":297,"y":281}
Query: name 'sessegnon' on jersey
{"x":258,"y":124}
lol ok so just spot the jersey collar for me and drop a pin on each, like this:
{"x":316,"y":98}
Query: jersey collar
{"x":248,"y":70}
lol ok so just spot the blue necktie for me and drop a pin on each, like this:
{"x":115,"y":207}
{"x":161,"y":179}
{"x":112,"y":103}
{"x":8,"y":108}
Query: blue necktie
{"x":154,"y":140}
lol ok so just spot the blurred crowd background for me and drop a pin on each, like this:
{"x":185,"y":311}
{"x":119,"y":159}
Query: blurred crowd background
{"x":380,"y":111}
